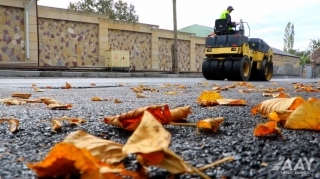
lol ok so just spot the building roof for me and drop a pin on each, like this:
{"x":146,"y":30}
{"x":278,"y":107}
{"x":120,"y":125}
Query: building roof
{"x":280,"y":52}
{"x":198,"y":30}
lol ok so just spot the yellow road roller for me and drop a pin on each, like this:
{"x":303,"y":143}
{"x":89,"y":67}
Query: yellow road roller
{"x":234,"y":56}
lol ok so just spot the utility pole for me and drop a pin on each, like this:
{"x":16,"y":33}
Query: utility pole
{"x":175,"y":68}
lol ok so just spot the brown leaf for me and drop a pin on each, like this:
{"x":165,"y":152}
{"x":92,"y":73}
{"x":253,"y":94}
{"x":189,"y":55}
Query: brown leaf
{"x":231,"y":102}
{"x":98,"y":99}
{"x":21,"y":95}
{"x":171,"y":93}
{"x":276,"y":104}
{"x":56,"y":124}
{"x":13,"y":124}
{"x":59,"y":106}
{"x":105,"y":150}
{"x":92,"y":84}
{"x":306,"y":116}
{"x":173,"y":115}
{"x":141,"y":95}
{"x":210,"y":123}
{"x":117,"y":101}
{"x":154,"y":90}
{"x":150,"y":136}
{"x":14,"y":102}
{"x":137,"y":90}
{"x":48,"y":87}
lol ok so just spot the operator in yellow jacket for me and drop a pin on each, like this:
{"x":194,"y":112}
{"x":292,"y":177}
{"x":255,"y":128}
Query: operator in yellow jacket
{"x":226,"y":15}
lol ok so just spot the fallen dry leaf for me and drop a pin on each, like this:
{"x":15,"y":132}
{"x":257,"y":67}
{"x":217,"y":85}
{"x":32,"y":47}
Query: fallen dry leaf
{"x":246,"y":90}
{"x":171,"y":93}
{"x":48,"y":87}
{"x":68,"y":86}
{"x":280,"y":116}
{"x":137,"y":90}
{"x":13,"y":124}
{"x":117,"y":101}
{"x":150,"y":136}
{"x":65,"y":159}
{"x":281,"y":95}
{"x":267,"y":128}
{"x":150,"y":143}
{"x":208,"y":98}
{"x":276,"y":104}
{"x":231,"y":102}
{"x":141,"y":95}
{"x":130,"y":120}
{"x":34,"y":85}
{"x":35,"y":89}
{"x":105,"y":150}
{"x":56,"y":122}
{"x":21,"y":95}
{"x":92,"y":84}
{"x":54,"y":104}
{"x":210,"y":123}
{"x":306,"y":116}
{"x":98,"y":99}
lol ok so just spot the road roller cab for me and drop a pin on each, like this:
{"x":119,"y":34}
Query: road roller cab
{"x":235,"y":56}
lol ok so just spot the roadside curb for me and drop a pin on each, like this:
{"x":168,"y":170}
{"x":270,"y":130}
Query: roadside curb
{"x":66,"y":74}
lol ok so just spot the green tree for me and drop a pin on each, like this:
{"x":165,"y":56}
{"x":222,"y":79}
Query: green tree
{"x":118,"y":10}
{"x":314,"y":44}
{"x":288,"y":37}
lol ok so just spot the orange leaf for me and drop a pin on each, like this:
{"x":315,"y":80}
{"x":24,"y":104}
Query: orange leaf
{"x":92,"y":84}
{"x":96,"y":99}
{"x":313,"y":99}
{"x":266,"y":129}
{"x":65,"y":159}
{"x":68,"y":86}
{"x":180,"y":113}
{"x":281,"y":95}
{"x":280,"y":116}
{"x":48,"y":87}
{"x":153,"y":158}
{"x":210,"y":123}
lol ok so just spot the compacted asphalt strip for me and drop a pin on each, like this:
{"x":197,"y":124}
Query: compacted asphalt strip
{"x":255,"y":157}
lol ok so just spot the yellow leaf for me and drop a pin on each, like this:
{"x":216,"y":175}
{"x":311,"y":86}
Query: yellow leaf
{"x":306,"y":116}
{"x":105,"y":150}
{"x":207,"y":98}
{"x":117,"y":101}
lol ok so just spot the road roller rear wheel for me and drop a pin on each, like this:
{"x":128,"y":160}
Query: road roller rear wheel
{"x":206,"y":69}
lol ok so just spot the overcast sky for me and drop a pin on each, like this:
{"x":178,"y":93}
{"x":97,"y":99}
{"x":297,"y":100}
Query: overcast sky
{"x":267,"y":19}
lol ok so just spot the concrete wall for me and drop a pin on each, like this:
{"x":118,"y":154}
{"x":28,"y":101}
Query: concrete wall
{"x":286,"y":65}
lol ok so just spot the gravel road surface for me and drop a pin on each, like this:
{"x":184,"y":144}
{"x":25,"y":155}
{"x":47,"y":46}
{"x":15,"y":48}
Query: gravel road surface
{"x":235,"y":137}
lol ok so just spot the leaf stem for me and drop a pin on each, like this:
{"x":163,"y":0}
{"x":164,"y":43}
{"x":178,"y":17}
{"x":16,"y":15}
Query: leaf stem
{"x":218,"y":162}
{"x":182,"y":124}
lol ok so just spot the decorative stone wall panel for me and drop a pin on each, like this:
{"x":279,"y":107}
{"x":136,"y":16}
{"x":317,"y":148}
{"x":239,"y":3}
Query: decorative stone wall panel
{"x":165,"y":54}
{"x":66,"y":43}
{"x":12,"y":40}
{"x":199,"y":56}
{"x":138,"y":44}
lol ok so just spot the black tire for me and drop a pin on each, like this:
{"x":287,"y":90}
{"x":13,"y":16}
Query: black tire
{"x":216,"y":70}
{"x":266,"y":72}
{"x":242,"y":69}
{"x":228,"y":70}
{"x":206,"y":69}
